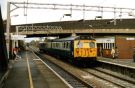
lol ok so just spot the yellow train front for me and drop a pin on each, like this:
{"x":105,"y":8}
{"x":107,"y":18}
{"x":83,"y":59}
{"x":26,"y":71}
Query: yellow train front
{"x":85,"y":50}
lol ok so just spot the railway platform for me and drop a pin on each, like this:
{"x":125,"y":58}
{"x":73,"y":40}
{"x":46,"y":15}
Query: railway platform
{"x":123,"y":68}
{"x":121,"y":62}
{"x":30,"y":72}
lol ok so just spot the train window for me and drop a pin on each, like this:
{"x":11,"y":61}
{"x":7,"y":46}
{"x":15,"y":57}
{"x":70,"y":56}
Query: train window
{"x":57,"y":45}
{"x":47,"y":45}
{"x":52,"y":45}
{"x":92,"y":44}
{"x":80,"y":44}
{"x":60,"y":45}
{"x":68,"y":45}
{"x":64,"y":45}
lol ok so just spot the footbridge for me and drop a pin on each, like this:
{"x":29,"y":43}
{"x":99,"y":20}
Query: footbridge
{"x":124,"y":26}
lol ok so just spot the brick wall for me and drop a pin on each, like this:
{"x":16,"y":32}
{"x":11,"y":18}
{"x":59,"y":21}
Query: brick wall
{"x":125,"y":46}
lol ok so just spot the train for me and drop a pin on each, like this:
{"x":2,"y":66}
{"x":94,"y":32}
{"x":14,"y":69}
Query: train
{"x":76,"y":49}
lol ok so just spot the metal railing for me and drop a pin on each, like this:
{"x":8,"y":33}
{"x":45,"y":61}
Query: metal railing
{"x":60,"y":30}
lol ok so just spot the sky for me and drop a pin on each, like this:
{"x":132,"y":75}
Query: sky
{"x":44,"y":15}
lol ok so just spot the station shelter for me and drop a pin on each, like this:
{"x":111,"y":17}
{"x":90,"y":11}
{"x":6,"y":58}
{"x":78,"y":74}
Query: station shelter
{"x":125,"y":45}
{"x":104,"y":46}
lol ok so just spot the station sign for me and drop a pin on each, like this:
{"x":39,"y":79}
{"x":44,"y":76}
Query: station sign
{"x":106,"y":40}
{"x":18,"y":37}
{"x":130,"y":38}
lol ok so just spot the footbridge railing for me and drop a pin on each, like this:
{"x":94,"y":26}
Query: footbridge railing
{"x":58,"y":29}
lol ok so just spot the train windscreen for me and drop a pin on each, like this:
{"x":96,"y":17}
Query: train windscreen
{"x":86,"y":38}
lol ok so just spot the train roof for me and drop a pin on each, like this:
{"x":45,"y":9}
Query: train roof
{"x":75,"y":38}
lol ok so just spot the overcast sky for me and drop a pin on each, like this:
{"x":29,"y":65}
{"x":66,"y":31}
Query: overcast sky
{"x":35,"y":16}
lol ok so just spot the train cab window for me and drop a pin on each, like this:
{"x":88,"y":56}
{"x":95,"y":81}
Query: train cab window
{"x":80,"y":44}
{"x":92,"y":44}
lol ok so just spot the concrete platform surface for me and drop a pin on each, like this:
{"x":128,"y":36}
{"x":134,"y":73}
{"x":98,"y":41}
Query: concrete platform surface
{"x":28,"y":72}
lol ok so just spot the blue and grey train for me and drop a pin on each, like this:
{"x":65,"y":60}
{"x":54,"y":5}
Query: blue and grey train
{"x":74,"y":48}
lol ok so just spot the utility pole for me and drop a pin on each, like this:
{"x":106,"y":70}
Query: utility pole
{"x":8,"y":30}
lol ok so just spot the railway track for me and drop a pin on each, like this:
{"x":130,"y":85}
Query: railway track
{"x":110,"y":77}
{"x":94,"y":77}
{"x":68,"y":78}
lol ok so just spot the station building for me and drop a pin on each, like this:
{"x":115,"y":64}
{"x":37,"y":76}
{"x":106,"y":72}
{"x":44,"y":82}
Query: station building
{"x":125,"y":45}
